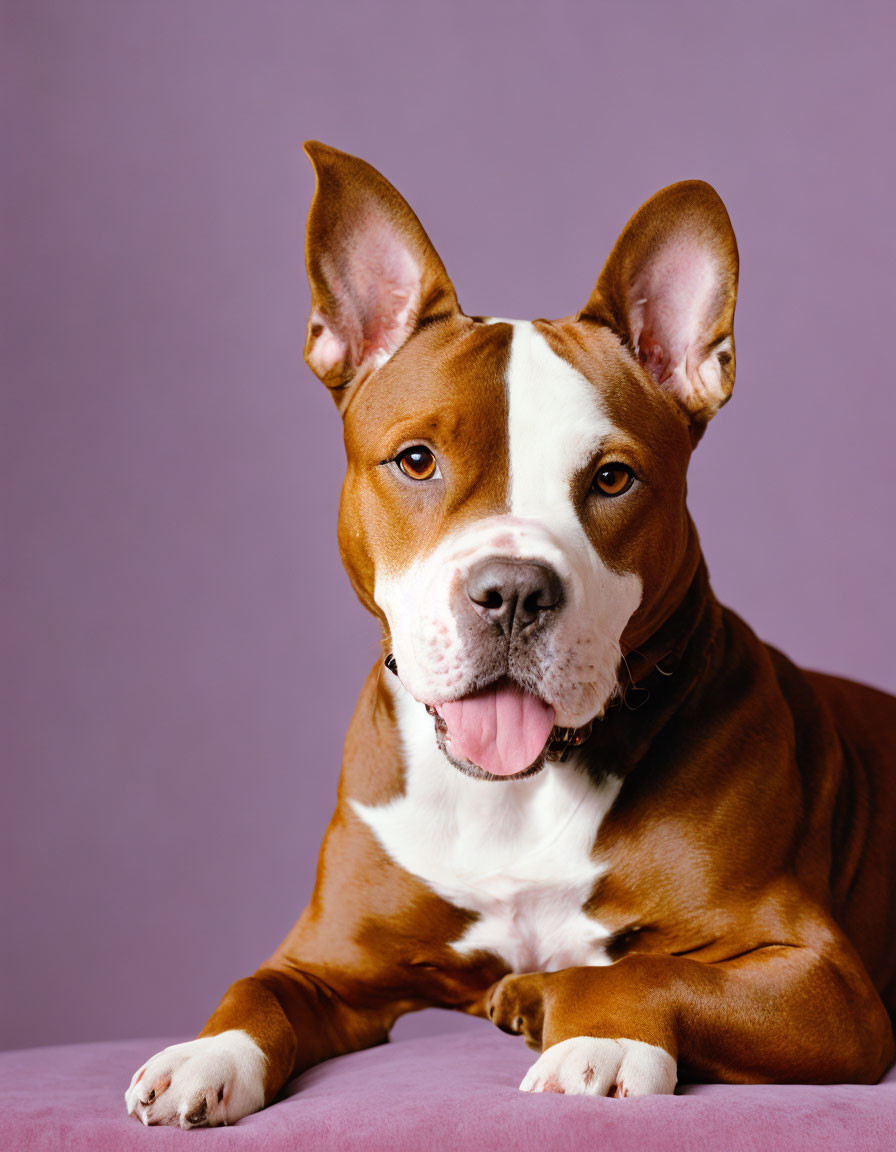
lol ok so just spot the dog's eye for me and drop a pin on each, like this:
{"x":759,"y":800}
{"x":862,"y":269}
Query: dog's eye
{"x":613,"y":480}
{"x":417,"y":462}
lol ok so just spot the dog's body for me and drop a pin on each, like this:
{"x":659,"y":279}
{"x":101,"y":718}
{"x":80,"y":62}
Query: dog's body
{"x":702,"y":880}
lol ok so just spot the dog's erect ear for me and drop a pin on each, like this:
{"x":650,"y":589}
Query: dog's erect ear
{"x":669,"y":289}
{"x":374,"y":273}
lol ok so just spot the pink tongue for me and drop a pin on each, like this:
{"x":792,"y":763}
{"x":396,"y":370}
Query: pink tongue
{"x":502,"y":728}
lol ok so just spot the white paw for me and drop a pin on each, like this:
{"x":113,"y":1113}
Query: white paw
{"x":200,"y":1084}
{"x":589,"y":1066}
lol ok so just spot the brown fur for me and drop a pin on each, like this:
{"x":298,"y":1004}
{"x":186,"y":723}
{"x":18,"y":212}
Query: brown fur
{"x":750,"y":857}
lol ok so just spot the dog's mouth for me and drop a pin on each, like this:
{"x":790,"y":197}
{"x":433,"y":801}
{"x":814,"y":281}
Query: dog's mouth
{"x":500,"y":732}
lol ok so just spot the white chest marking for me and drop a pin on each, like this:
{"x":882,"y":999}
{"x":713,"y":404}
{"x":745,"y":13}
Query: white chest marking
{"x":518,"y":853}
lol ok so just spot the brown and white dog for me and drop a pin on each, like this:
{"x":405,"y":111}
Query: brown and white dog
{"x":590,"y":804}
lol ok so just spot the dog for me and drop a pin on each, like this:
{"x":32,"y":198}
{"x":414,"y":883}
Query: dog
{"x":579,"y":797}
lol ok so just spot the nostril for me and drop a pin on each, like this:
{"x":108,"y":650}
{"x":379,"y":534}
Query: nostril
{"x":536,"y":602}
{"x":547,"y":593}
{"x":491,"y":600}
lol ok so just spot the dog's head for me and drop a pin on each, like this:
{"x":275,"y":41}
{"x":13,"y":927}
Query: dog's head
{"x":514,"y":504}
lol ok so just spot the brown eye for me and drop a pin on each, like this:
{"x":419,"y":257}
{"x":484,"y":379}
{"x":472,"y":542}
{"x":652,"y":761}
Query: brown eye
{"x":417,"y":462}
{"x":613,"y":480}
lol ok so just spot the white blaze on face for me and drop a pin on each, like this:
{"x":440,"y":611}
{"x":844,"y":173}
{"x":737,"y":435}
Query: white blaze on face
{"x":555,"y":425}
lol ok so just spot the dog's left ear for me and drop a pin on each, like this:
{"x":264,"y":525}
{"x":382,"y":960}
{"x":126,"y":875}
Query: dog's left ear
{"x":374,"y":274}
{"x":669,"y":288}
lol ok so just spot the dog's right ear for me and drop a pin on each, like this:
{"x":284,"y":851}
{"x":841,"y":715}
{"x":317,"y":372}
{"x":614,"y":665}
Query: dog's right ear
{"x":374,"y":274}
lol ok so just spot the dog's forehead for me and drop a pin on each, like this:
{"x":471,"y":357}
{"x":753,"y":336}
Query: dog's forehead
{"x":633,"y":405}
{"x":494,"y":392}
{"x":445,"y":385}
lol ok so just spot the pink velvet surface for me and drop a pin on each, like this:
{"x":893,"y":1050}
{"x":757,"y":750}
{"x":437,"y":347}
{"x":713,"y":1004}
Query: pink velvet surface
{"x":457,"y":1091}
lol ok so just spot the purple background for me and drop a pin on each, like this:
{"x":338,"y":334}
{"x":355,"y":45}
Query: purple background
{"x":180,"y":648}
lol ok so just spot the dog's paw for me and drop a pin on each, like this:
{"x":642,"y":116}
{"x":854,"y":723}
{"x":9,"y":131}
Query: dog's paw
{"x":516,"y":1005}
{"x":203,"y":1083}
{"x":588,"y":1066}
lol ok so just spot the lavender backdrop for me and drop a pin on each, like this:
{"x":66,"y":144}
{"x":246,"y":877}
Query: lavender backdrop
{"x":180,"y":647}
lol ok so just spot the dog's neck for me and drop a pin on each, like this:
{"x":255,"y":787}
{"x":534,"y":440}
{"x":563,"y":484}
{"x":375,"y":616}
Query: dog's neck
{"x":656,"y":678}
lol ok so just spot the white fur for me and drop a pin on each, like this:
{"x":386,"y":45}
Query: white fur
{"x":199,"y":1070}
{"x":591,"y":1066}
{"x":556,"y":423}
{"x":518,"y":852}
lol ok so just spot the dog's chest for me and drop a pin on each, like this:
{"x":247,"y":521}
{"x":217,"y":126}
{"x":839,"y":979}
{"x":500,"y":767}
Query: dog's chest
{"x":517,"y":853}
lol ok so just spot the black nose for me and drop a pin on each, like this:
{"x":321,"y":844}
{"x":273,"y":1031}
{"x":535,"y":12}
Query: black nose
{"x":513,"y":593}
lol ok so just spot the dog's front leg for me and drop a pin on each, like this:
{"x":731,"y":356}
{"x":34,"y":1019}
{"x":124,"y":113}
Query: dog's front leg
{"x":780,"y":1013}
{"x":348,"y":968}
{"x":267,"y":1028}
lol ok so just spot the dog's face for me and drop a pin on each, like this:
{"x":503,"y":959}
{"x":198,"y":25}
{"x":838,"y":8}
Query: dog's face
{"x":514,"y":504}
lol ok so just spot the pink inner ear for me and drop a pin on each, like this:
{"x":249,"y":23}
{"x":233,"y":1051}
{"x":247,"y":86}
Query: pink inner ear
{"x":326,"y":349}
{"x":384,"y":279}
{"x":670,"y":306}
{"x":375,"y":282}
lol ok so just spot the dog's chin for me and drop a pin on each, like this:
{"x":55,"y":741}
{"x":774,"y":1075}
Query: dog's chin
{"x":473,"y":770}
